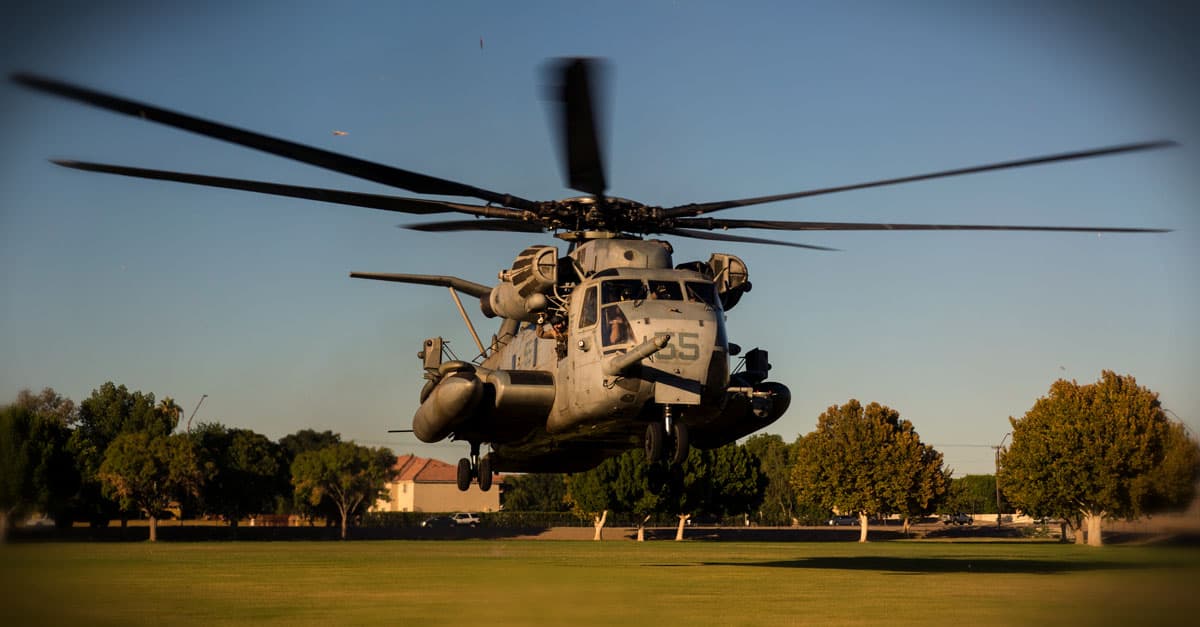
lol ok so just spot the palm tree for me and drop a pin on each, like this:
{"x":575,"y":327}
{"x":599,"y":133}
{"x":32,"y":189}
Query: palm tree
{"x":169,"y":408}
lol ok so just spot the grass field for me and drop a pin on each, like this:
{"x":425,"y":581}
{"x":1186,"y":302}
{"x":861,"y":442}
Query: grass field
{"x":499,"y":582}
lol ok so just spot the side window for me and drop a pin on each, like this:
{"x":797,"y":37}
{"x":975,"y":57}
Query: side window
{"x":587,"y":313}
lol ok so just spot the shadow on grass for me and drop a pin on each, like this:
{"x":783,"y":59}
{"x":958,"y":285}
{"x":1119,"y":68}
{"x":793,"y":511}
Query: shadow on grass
{"x":923,"y":565}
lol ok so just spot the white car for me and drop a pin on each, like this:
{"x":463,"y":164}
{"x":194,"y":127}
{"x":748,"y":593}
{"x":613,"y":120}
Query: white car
{"x":466,"y":519}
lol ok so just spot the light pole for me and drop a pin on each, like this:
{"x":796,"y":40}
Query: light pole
{"x":189,"y":422}
{"x":998,"y":447}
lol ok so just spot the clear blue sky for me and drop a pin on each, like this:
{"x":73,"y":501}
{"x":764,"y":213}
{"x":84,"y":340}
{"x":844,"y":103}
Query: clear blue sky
{"x":184,"y":291}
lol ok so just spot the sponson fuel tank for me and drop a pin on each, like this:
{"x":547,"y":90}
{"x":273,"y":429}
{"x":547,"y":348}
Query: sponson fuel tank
{"x":450,"y":403}
{"x":472,"y":399}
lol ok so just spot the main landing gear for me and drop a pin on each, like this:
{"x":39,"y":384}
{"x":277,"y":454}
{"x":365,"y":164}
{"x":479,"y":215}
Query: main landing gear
{"x":477,"y":468}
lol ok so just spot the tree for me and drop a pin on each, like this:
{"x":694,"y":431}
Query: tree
{"x":590,"y":494}
{"x":866,"y":461}
{"x":722,"y":481}
{"x":348,"y":474}
{"x":1103,"y":450}
{"x":921,"y":467}
{"x":973,"y":493}
{"x":241,"y":468}
{"x":774,"y":456}
{"x":48,"y":404}
{"x":169,"y":409}
{"x":36,"y":472}
{"x":109,"y":412}
{"x":291,"y":446}
{"x":147,"y":472}
{"x":537,"y":492}
{"x":633,"y":488}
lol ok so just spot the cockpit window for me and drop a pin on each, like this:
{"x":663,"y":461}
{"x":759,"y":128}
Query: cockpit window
{"x":587,"y":312}
{"x":704,"y":292}
{"x":664,"y":290}
{"x":619,"y":290}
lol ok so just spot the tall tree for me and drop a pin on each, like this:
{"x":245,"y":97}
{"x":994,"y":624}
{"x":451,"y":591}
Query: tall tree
{"x":775,"y":461}
{"x":536,"y":492}
{"x":110,"y":411}
{"x":866,"y":460}
{"x":36,"y":472}
{"x":1098,"y":451}
{"x":348,"y":474}
{"x":146,"y":472}
{"x":241,"y":469}
{"x":170,"y":410}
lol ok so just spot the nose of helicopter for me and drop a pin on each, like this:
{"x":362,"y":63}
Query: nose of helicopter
{"x":695,"y":360}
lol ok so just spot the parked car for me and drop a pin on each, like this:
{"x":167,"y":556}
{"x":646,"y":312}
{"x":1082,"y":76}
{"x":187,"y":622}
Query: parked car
{"x":957,"y":518}
{"x":466,"y":519}
{"x":438,"y":522}
{"x":843,"y":521}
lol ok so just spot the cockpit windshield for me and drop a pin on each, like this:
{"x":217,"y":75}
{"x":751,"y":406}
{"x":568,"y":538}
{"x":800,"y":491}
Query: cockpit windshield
{"x":620,"y":290}
{"x":664,"y":290}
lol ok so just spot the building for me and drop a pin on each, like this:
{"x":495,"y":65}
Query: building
{"x":430,"y":485}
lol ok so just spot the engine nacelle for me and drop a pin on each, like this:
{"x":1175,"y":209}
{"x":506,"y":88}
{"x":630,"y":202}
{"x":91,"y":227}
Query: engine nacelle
{"x":534,"y":271}
{"x":505,"y":301}
{"x":730,"y":274}
{"x":521,"y":294}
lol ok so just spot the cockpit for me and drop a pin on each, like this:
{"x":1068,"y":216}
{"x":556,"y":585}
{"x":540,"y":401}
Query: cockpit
{"x":613,"y":300}
{"x":621,"y":290}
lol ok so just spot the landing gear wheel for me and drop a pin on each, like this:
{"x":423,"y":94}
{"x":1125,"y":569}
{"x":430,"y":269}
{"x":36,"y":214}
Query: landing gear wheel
{"x":485,"y":473}
{"x":464,"y":474}
{"x":655,"y":434}
{"x":679,"y":443}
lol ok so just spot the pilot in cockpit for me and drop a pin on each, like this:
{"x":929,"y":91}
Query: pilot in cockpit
{"x":617,"y":325}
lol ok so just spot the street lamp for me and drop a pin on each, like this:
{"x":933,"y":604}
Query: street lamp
{"x":998,"y":447}
{"x":189,"y":422}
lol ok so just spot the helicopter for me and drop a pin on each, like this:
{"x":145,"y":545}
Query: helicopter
{"x":609,"y":347}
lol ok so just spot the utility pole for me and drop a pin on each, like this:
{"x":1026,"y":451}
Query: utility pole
{"x":189,"y":422}
{"x":998,"y":447}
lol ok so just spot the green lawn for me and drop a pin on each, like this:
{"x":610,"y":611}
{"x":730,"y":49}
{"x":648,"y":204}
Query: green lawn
{"x":517,"y":582}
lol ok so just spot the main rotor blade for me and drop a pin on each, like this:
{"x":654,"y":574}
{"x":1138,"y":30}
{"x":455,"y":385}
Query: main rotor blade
{"x":520,"y":226}
{"x":357,"y":199}
{"x":723,"y":237}
{"x":697,"y":209}
{"x":388,"y":175}
{"x":790,"y":225}
{"x":462,"y":285}
{"x":575,"y":93}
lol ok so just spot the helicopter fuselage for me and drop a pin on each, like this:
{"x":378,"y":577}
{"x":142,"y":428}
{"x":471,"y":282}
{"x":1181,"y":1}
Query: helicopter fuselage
{"x":590,"y":364}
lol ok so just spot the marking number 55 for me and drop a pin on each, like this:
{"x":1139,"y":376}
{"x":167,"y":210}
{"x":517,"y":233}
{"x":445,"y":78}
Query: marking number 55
{"x":684,"y":346}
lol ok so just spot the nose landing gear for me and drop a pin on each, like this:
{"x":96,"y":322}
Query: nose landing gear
{"x":666,"y":441}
